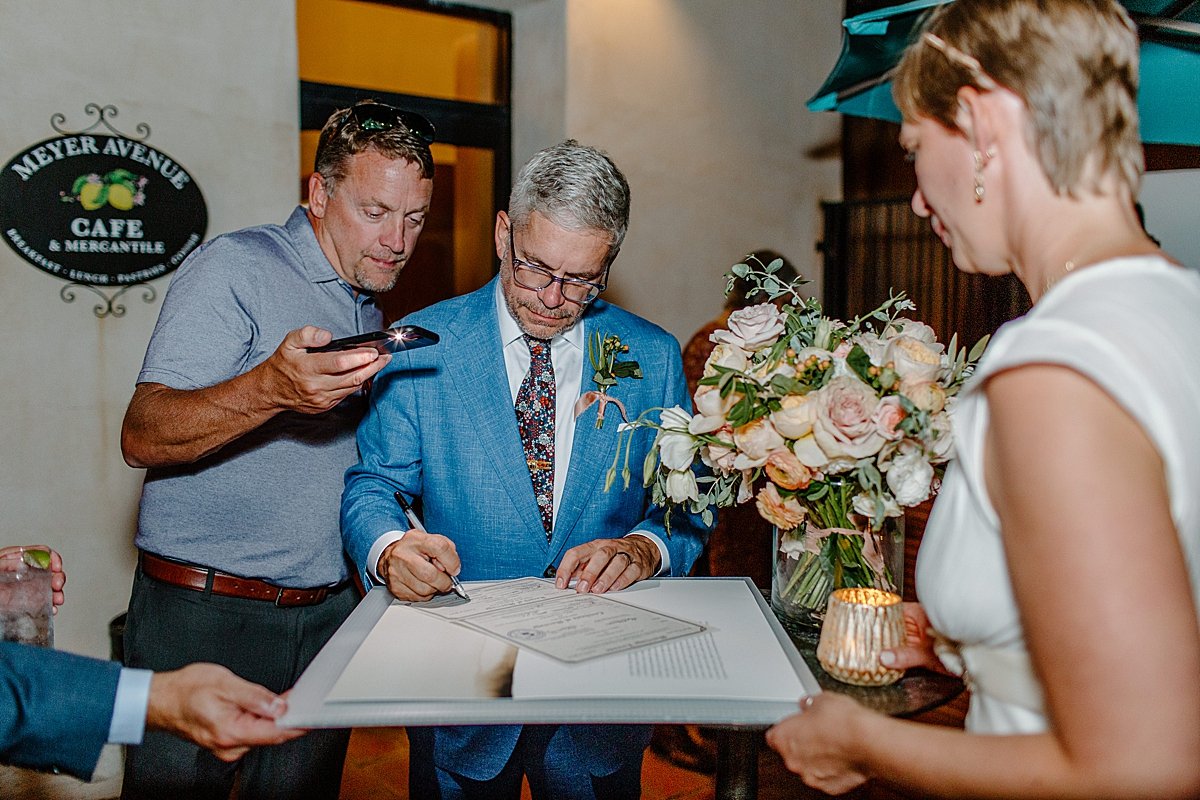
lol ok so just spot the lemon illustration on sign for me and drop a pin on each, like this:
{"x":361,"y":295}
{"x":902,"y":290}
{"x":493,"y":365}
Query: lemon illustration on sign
{"x":120,"y":188}
{"x":93,"y":196}
{"x":120,"y":197}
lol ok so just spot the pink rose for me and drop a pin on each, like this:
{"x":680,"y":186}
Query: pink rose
{"x":720,"y":457}
{"x":845,"y":427}
{"x":752,"y":328}
{"x":887,"y":417}
{"x":783,"y":514}
{"x":785,"y":470}
{"x":755,"y":441}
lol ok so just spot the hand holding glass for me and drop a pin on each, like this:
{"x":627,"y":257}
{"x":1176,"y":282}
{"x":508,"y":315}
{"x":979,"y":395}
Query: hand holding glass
{"x":26,"y":599}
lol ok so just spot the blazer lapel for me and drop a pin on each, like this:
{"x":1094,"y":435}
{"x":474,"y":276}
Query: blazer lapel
{"x":594,"y":448}
{"x":475,"y":367}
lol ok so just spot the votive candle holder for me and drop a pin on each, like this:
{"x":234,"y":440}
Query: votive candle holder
{"x":860,"y":623}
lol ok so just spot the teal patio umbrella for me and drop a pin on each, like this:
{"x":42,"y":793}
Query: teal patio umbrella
{"x":1168,"y":100}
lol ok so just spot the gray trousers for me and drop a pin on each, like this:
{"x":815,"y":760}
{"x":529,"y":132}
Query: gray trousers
{"x":169,"y":627}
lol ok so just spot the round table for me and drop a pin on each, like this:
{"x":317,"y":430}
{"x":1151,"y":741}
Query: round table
{"x":737,"y":747}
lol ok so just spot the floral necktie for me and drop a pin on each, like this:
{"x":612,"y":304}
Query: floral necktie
{"x":535,"y":420}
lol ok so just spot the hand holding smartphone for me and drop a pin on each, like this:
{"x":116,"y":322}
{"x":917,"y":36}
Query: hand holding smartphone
{"x":392,"y":340}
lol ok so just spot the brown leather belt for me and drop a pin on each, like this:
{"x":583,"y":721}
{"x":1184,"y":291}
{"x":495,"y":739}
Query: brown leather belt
{"x":187,"y":576}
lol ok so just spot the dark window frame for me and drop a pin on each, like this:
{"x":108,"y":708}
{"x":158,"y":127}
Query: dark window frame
{"x":460,"y":123}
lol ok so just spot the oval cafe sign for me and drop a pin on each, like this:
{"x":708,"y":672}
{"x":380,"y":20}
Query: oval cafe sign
{"x":100,"y":210}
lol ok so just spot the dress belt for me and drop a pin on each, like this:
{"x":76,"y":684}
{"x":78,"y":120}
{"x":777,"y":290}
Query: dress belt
{"x":200,"y":579}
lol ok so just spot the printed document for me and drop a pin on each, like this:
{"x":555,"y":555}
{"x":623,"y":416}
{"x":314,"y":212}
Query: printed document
{"x":715,"y":643}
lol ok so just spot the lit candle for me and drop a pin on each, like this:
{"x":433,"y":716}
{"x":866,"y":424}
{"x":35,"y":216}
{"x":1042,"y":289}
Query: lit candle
{"x":860,"y":623}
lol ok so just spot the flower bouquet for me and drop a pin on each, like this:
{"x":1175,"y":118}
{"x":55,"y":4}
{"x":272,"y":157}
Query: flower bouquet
{"x":830,"y":427}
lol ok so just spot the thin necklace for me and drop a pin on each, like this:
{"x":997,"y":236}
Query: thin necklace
{"x":1068,"y":268}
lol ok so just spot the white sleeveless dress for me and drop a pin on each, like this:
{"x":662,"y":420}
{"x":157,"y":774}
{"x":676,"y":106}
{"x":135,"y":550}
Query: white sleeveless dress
{"x":1131,"y":325}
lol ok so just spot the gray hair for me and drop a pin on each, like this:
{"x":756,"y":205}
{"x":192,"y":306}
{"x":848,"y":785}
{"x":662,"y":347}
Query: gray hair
{"x":577,"y":187}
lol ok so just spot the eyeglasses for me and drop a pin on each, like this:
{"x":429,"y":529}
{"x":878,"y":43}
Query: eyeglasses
{"x":536,"y":278}
{"x":382,"y":117}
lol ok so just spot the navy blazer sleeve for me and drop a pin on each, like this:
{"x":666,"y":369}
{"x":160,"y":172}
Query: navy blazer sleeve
{"x":55,"y":708}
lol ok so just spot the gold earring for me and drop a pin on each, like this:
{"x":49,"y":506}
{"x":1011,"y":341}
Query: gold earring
{"x":978,"y":176}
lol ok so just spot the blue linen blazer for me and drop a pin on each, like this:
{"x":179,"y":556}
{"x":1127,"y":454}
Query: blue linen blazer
{"x":441,"y":428}
{"x":55,"y":708}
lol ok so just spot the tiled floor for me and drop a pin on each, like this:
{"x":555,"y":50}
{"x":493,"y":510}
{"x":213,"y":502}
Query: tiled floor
{"x":377,"y":768}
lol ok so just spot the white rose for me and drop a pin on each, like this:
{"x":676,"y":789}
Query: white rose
{"x":809,"y":453}
{"x":873,"y":345}
{"x":795,"y":416}
{"x":910,"y":476}
{"x":725,"y":355}
{"x":711,"y":409}
{"x":914,"y":329}
{"x":752,"y":328}
{"x":681,"y":486}
{"x":913,"y":360}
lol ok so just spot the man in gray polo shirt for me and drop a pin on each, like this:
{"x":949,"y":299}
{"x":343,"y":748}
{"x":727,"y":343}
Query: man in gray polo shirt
{"x":246,"y":436}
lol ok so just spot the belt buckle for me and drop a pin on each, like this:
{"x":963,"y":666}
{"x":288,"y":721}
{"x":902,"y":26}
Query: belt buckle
{"x":279,"y":597}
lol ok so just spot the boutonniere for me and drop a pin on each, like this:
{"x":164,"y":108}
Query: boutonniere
{"x":603,"y":352}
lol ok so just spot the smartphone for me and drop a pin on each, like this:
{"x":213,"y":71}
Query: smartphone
{"x":392,"y":340}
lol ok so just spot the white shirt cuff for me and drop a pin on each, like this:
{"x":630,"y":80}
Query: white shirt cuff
{"x":376,"y":552}
{"x":129,"y":706}
{"x":663,"y":554}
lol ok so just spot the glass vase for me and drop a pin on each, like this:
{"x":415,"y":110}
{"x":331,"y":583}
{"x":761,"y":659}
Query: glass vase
{"x":833,"y":549}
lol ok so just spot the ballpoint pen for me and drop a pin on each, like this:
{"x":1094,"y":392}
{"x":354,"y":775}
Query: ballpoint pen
{"x":413,"y":520}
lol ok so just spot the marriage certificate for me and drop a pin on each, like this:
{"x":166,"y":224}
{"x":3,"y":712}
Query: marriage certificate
{"x":534,"y":614}
{"x":702,"y":650}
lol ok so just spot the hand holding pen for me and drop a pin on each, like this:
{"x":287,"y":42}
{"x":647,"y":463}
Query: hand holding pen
{"x":415,"y":521}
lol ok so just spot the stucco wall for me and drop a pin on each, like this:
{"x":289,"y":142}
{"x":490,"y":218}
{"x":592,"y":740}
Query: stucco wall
{"x":701,"y":104}
{"x":216,"y":84}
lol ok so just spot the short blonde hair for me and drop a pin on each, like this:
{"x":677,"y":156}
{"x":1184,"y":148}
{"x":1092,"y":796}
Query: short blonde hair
{"x":1074,"y":63}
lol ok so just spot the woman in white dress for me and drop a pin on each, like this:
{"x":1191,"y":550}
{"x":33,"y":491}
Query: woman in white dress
{"x":1061,"y":564}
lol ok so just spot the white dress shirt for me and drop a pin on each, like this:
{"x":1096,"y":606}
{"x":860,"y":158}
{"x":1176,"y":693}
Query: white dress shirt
{"x":566,"y":355}
{"x":129,"y":706}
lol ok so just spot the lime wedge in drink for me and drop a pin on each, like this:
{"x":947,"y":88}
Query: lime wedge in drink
{"x":36,"y":558}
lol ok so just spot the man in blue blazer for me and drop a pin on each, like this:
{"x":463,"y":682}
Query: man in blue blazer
{"x":442,"y":427}
{"x":58,"y":709}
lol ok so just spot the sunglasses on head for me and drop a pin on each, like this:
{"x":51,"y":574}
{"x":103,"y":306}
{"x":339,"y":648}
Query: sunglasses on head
{"x":382,"y":117}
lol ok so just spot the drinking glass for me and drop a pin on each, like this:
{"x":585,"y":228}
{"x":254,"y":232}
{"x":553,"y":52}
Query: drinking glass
{"x":26,"y":603}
